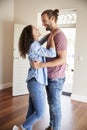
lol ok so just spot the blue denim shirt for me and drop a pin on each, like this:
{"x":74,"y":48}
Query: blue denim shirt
{"x":37,"y":52}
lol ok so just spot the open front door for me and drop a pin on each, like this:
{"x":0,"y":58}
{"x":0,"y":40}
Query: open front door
{"x":20,"y":66}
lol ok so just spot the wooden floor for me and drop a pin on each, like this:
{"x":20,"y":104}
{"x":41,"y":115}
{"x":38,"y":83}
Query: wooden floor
{"x":13,"y":111}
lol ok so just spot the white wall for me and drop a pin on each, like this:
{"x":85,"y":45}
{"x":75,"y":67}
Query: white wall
{"x":6,"y":42}
{"x":25,"y":12}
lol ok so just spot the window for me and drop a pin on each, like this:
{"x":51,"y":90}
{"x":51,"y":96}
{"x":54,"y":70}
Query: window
{"x":67,"y":19}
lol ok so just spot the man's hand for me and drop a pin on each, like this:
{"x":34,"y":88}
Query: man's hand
{"x":36,"y":64}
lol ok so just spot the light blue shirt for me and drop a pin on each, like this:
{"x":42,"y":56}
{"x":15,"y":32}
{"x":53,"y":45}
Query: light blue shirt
{"x":37,"y":52}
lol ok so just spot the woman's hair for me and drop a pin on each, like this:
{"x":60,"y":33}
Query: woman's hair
{"x":51,"y":13}
{"x":25,"y":40}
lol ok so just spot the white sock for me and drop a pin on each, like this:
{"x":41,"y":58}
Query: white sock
{"x":15,"y":127}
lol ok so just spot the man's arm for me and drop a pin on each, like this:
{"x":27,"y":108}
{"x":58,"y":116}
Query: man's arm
{"x":60,"y":60}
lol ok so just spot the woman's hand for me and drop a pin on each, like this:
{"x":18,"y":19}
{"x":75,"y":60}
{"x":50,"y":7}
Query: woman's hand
{"x":36,"y":64}
{"x":51,"y":43}
{"x":51,"y":39}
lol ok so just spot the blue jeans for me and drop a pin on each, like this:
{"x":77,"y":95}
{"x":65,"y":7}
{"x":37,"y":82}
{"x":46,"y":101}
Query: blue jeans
{"x":37,"y":103}
{"x":54,"y":90}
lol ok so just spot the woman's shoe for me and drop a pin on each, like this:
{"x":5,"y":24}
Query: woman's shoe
{"x":15,"y":127}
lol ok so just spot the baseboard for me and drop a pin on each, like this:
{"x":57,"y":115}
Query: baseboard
{"x":66,"y":93}
{"x":6,"y":85}
{"x":79,"y":98}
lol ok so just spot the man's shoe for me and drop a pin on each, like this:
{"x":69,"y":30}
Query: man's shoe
{"x":49,"y":128}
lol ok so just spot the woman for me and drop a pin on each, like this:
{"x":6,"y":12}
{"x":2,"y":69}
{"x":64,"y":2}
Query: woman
{"x":37,"y":78}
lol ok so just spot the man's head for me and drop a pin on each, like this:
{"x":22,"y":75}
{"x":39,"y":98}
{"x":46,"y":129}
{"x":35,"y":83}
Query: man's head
{"x":49,"y":18}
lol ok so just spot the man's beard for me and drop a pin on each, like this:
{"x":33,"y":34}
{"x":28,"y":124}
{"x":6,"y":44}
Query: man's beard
{"x":49,"y":27}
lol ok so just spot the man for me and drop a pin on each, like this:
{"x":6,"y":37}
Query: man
{"x":56,"y":68}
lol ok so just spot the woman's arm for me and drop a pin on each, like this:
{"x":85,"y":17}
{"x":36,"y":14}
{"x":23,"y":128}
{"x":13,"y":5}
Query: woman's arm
{"x":60,"y":60}
{"x":46,"y":52}
{"x":44,"y":39}
{"x":41,"y":51}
